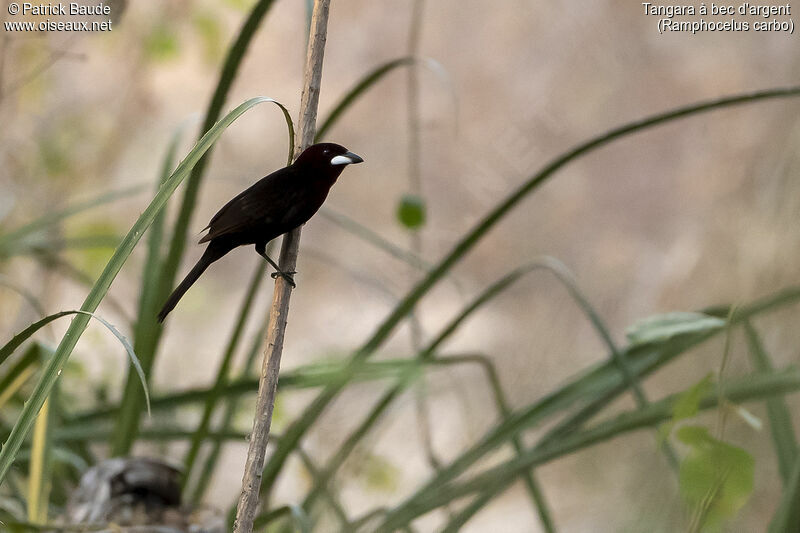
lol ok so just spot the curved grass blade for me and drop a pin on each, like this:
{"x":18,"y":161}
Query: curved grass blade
{"x":25,"y":334}
{"x":369,"y":80}
{"x":307,"y":418}
{"x":147,"y":330}
{"x":617,"y":356}
{"x":753,"y":387}
{"x":503,"y":409}
{"x":128,"y":423}
{"x":229,"y":69}
{"x":99,"y":290}
{"x":564,"y":277}
{"x":425,"y":355}
{"x":456,"y":522}
{"x":603,"y":382}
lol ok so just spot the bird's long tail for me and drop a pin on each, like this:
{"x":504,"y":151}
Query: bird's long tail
{"x":211,"y":254}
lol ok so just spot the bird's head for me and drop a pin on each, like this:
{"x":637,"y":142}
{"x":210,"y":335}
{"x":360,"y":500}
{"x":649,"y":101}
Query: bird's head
{"x":330,"y":158}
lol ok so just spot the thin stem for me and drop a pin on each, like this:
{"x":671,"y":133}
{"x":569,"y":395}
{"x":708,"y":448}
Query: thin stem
{"x":268,"y":383}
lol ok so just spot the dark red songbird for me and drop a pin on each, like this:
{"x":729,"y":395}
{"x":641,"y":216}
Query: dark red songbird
{"x":274,"y":205}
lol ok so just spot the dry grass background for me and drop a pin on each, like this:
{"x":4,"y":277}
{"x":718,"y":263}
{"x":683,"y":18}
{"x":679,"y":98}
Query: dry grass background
{"x":698,"y":212}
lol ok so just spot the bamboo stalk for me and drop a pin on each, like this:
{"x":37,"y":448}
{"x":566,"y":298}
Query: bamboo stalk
{"x":268,"y":382}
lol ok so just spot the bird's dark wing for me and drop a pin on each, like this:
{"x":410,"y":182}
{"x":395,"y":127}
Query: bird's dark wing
{"x":258,"y":206}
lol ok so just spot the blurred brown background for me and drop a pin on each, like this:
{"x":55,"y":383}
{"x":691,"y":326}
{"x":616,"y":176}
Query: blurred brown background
{"x":699,"y":212}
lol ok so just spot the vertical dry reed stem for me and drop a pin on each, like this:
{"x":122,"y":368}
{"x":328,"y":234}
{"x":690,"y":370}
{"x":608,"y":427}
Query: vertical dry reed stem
{"x":268,"y":383}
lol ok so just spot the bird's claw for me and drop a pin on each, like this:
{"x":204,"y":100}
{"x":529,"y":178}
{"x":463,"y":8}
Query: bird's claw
{"x":288,"y":276}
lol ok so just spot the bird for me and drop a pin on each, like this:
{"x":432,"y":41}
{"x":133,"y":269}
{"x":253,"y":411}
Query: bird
{"x":274,"y":205}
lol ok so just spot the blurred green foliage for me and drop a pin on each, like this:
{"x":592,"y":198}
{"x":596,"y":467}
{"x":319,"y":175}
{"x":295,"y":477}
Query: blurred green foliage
{"x":716,"y":478}
{"x":161,"y":43}
{"x":411,"y":211}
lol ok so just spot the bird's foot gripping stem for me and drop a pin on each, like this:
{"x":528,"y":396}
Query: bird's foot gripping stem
{"x":288,"y":276}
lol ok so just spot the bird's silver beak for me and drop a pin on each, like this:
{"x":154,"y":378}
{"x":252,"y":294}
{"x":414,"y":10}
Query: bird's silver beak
{"x":348,"y":158}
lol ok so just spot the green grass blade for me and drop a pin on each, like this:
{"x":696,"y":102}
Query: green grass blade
{"x":368,"y":235}
{"x":753,"y":387}
{"x":617,"y":356}
{"x":780,"y":418}
{"x":547,"y":263}
{"x":222,"y":373}
{"x":531,"y":484}
{"x":25,"y":334}
{"x":147,"y":330}
{"x":128,"y":423}
{"x":171,"y":433}
{"x":602,"y":382}
{"x":426,"y":354}
{"x":305,"y":377}
{"x":233,"y":61}
{"x":456,"y":522}
{"x":298,"y":428}
{"x":787,"y":517}
{"x":388,"y":397}
{"x":365,"y":83}
{"x":21,"y":337}
{"x":352,"y":95}
{"x":265,"y":519}
{"x":660,"y":328}
{"x":232,"y":404}
{"x":131,"y":354}
{"x":95,"y":296}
